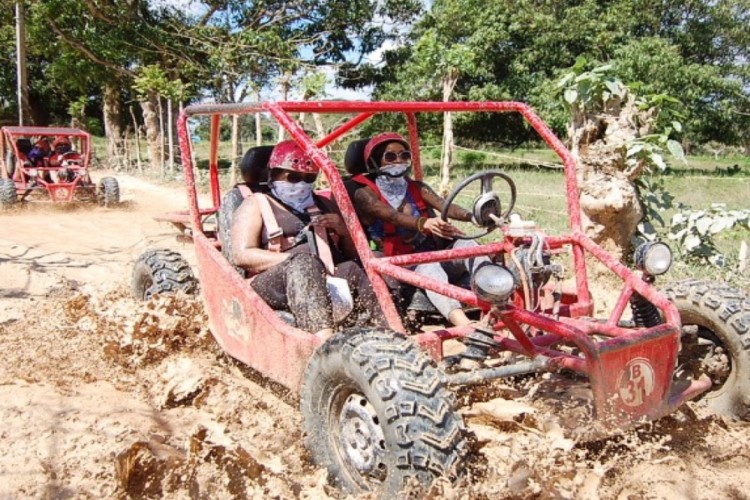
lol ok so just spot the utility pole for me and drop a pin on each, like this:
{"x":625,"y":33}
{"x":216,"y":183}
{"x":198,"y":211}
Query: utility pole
{"x":23,"y":89}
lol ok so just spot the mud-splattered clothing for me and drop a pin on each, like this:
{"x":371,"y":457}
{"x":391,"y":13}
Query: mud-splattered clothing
{"x":298,"y":284}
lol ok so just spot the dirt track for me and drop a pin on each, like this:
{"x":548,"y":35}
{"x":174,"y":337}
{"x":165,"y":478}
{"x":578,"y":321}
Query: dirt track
{"x":101,"y":396}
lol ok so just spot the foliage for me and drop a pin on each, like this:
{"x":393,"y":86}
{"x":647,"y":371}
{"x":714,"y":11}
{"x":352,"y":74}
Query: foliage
{"x":695,"y":51}
{"x":695,"y":230}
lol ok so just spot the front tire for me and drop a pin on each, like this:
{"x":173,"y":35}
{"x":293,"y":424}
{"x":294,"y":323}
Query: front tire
{"x":8,"y":194}
{"x":109,"y":191}
{"x":716,"y":341}
{"x":377,"y":413}
{"x":162,"y":271}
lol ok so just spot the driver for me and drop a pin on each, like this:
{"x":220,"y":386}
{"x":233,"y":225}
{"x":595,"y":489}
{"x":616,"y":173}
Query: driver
{"x":288,"y":271}
{"x":399,"y":216}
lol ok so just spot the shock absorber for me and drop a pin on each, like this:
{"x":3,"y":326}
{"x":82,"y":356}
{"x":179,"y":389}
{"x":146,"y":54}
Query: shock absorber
{"x":645,"y":314}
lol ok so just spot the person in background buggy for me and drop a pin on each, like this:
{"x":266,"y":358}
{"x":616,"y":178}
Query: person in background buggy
{"x":62,"y":153}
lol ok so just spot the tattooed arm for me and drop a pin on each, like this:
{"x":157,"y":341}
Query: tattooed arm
{"x":370,"y":206}
{"x":436,"y":201}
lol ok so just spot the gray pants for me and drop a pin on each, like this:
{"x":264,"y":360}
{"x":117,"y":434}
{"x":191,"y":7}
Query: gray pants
{"x":450,"y":272}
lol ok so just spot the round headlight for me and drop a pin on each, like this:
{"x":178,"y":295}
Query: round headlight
{"x":653,"y":258}
{"x":32,"y":172}
{"x":493,"y":283}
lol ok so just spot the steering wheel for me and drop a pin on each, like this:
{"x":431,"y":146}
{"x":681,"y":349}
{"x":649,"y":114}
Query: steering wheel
{"x":487,"y":205}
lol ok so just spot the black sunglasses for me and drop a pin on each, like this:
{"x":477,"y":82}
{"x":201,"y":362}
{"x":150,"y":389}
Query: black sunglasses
{"x":296,"y":177}
{"x":401,"y":155}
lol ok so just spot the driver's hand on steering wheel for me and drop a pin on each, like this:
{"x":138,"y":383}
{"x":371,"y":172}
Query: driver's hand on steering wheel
{"x":441,"y":228}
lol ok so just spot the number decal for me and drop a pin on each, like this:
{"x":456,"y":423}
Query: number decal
{"x":636,"y":382}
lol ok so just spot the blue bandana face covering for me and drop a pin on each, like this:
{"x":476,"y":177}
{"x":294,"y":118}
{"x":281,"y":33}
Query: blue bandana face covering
{"x":393,"y":184}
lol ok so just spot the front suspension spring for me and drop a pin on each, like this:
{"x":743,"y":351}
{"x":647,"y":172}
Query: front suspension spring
{"x":645,"y":314}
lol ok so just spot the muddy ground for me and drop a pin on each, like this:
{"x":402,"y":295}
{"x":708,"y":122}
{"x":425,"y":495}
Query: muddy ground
{"x":101,"y":396}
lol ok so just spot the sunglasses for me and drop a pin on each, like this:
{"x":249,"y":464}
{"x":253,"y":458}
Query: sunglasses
{"x":401,"y":155}
{"x":297,"y":177}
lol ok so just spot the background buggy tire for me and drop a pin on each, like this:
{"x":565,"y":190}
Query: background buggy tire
{"x":10,"y":164}
{"x":720,"y":315}
{"x":161,"y":271}
{"x":377,"y":413}
{"x":8,"y":194}
{"x":109,"y":191}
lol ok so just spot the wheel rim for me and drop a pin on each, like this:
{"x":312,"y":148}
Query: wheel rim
{"x":360,"y":440}
{"x":708,"y":354}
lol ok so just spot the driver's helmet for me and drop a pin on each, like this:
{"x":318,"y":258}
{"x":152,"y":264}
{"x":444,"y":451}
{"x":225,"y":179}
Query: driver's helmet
{"x":376,"y":147}
{"x":288,"y":155}
{"x":62,"y":145}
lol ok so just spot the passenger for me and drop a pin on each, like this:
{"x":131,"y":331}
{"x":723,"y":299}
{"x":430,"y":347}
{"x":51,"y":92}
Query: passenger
{"x":289,"y":269}
{"x":399,"y":215}
{"x":39,"y":153}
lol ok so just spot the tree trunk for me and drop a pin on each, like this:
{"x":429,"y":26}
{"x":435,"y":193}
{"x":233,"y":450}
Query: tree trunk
{"x":258,"y":124}
{"x":610,"y":206}
{"x":284,"y":83}
{"x":137,"y":139}
{"x":170,"y":135}
{"x":236,"y":149}
{"x":112,"y":110}
{"x":151,"y":124}
{"x":24,"y":109}
{"x":449,"y":83}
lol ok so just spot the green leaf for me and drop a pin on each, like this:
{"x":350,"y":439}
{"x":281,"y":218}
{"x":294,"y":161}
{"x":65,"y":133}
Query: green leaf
{"x":692,"y":242}
{"x":677,"y":126}
{"x":675,"y":148}
{"x":658,"y":161}
{"x":571,"y":95}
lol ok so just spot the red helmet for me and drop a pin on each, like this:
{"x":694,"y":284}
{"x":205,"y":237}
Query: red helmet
{"x":379,"y":139}
{"x":289,"y":156}
{"x":62,"y":145}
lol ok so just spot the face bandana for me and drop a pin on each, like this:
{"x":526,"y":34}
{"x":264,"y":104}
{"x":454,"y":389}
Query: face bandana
{"x":297,"y":195}
{"x":393,"y":184}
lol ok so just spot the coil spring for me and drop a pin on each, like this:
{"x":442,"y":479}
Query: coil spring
{"x":645,"y":314}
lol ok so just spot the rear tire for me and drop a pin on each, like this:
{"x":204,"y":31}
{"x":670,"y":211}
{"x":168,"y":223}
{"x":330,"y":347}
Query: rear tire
{"x":109,"y":191}
{"x":377,"y":413}
{"x":162,"y":271}
{"x":8,"y":195}
{"x":716,"y":341}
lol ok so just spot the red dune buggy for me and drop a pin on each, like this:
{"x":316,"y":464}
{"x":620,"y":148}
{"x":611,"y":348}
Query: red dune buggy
{"x":378,"y":404}
{"x":50,"y":164}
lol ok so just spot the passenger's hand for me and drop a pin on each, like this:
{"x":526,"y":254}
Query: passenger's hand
{"x":441,"y":228}
{"x":333,"y":222}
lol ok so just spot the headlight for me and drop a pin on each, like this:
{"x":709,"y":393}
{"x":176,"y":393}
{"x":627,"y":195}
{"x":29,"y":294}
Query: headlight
{"x":653,"y":258}
{"x":32,"y":172}
{"x":493,"y":283}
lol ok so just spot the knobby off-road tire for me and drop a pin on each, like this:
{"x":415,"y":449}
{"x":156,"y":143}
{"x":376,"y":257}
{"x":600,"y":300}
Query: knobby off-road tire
{"x":8,"y":195}
{"x":377,"y":413}
{"x":162,"y":271}
{"x":716,"y":341}
{"x":10,"y":164}
{"x":109,"y":191}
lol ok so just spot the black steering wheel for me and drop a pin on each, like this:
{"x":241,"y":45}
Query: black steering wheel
{"x":487,"y":206}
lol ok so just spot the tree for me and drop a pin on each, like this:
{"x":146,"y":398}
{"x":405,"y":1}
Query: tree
{"x":615,"y":138}
{"x":694,"y":50}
